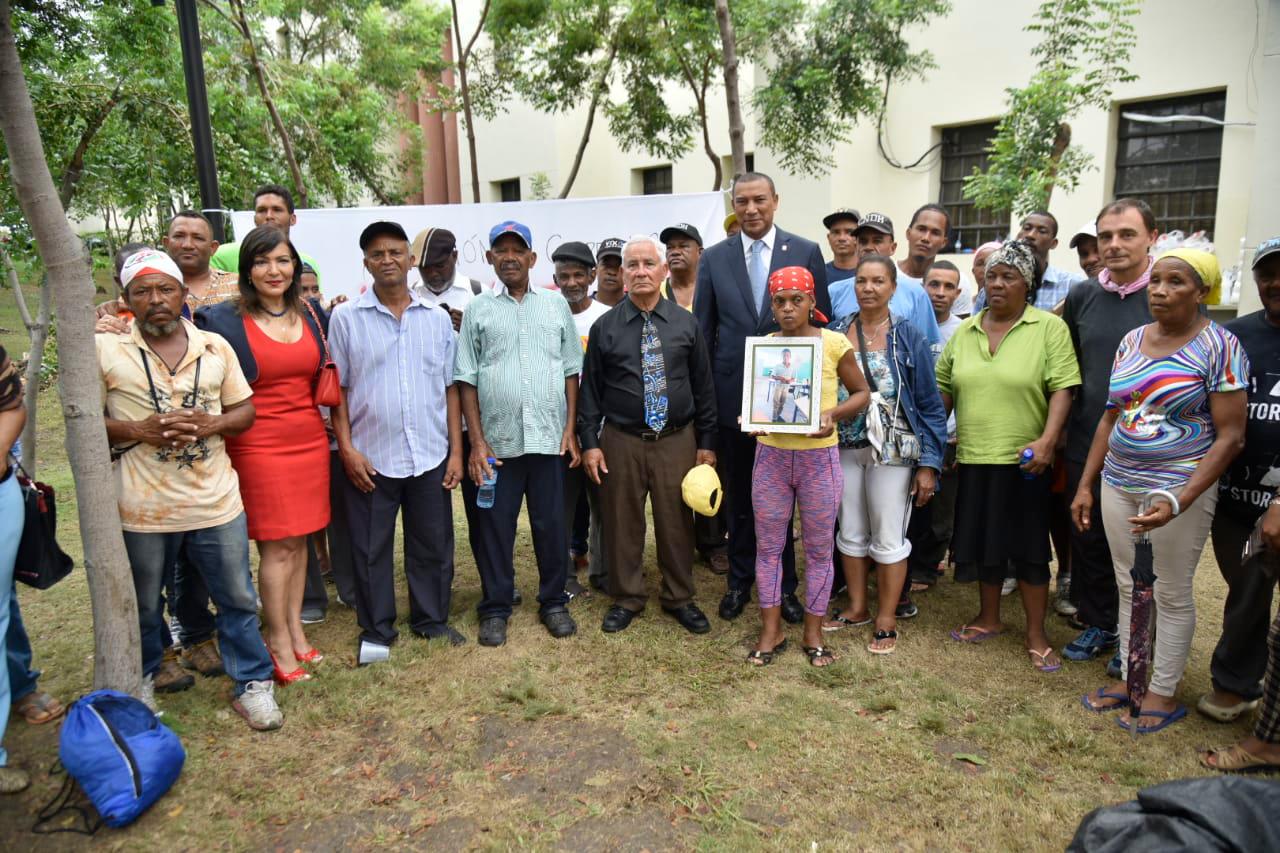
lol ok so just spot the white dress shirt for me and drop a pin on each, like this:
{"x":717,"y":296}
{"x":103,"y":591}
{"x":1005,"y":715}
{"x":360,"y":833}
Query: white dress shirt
{"x":767,"y":254}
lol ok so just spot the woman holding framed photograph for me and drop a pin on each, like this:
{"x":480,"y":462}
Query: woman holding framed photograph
{"x":885,"y":470}
{"x":804,"y":470}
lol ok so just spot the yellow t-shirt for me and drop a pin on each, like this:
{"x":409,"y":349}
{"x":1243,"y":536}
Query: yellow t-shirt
{"x":834,"y":346}
{"x":167,"y":490}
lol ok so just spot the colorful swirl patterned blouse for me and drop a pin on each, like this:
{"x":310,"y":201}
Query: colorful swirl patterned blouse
{"x":1165,"y":427}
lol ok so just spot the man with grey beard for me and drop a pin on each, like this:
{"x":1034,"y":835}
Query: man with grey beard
{"x":575,"y":270}
{"x":171,"y":392}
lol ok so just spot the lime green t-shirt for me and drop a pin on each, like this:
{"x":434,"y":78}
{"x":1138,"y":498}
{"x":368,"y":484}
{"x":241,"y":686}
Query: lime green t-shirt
{"x":227,"y":258}
{"x":1002,"y":400}
{"x":834,"y":346}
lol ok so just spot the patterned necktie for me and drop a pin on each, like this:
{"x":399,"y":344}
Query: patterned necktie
{"x":654,"y":372}
{"x":756,"y":271}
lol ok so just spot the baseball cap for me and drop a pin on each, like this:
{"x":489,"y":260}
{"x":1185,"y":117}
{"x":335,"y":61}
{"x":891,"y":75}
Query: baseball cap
{"x":1089,"y":229}
{"x":610,"y":246}
{"x":701,"y":490}
{"x":575,"y":251}
{"x":433,"y":245}
{"x":843,"y":213}
{"x":381,"y":228}
{"x":876,"y":222}
{"x":680,"y":229}
{"x":511,"y":227}
{"x":1266,"y":249}
{"x":730,"y":221}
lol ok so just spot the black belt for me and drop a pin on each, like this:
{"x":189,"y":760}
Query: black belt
{"x":651,"y":435}
{"x":8,"y":472}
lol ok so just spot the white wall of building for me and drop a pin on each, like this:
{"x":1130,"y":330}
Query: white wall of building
{"x":980,"y":50}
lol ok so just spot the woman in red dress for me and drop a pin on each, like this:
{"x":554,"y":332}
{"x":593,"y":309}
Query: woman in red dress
{"x":283,"y":459}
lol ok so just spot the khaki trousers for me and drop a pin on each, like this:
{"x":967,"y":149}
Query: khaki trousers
{"x":655,"y":469}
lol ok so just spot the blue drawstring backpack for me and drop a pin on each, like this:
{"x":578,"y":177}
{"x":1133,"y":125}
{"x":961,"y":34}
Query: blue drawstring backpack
{"x":120,"y":754}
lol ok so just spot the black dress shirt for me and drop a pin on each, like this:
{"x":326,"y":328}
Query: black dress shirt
{"x":613,"y":384}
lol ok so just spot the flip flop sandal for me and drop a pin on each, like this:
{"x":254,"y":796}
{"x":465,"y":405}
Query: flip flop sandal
{"x":1234,"y":759}
{"x":846,"y":623}
{"x":1123,"y":701}
{"x":762,"y":658}
{"x":39,"y":708}
{"x":1040,"y":660}
{"x":962,"y":635}
{"x":880,"y":636}
{"x":818,"y":653}
{"x":1225,"y":713}
{"x":1166,"y":718}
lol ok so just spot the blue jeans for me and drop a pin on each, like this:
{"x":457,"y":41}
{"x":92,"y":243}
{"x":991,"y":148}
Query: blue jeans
{"x":17,"y":648}
{"x":12,"y":518}
{"x":221,"y":556}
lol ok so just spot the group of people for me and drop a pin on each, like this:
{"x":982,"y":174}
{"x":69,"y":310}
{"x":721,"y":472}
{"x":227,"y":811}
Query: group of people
{"x":1049,"y":412}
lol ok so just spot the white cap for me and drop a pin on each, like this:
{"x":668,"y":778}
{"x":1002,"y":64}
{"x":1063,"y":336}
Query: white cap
{"x":146,"y":262}
{"x":1089,"y":229}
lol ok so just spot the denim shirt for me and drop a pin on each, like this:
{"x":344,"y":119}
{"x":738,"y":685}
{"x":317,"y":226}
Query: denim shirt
{"x":917,"y":389}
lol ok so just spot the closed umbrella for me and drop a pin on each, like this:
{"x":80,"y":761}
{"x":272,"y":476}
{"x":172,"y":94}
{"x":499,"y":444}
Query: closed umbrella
{"x":1140,"y":604}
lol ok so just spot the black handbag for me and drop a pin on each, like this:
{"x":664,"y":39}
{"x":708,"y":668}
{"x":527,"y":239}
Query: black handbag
{"x":40,"y":563}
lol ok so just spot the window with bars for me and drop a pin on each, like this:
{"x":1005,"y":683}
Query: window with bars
{"x":963,"y":150}
{"x":509,"y":190}
{"x":1173,"y":166}
{"x":656,"y":181}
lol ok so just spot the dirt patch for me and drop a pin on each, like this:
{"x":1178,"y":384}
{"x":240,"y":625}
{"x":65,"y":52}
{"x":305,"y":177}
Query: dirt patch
{"x":965,"y":757}
{"x":550,"y":760}
{"x":339,"y":832}
{"x":452,"y":834}
{"x":629,"y":832}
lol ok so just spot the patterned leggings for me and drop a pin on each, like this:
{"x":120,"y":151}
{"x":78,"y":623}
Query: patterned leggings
{"x":813,"y":480}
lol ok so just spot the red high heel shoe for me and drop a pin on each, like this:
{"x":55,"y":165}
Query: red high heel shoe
{"x":283,"y":678}
{"x":312,"y":656}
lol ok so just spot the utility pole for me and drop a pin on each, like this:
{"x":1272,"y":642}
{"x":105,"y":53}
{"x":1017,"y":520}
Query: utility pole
{"x":198,"y":107}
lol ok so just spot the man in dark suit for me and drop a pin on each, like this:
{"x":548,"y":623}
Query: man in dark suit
{"x":731,"y":303}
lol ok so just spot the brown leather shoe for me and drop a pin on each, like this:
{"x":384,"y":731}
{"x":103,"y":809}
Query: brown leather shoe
{"x":171,"y":678}
{"x":718,"y":560}
{"x":203,"y":658}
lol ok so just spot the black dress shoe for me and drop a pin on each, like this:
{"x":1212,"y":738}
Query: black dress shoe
{"x":493,"y":631}
{"x":516,"y":598}
{"x":791,"y":609}
{"x":617,"y":619}
{"x":732,"y":604}
{"x":693,"y":619}
{"x":559,"y":623}
{"x":445,"y":633}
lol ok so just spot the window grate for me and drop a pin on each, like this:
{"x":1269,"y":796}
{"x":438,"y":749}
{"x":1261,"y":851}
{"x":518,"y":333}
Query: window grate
{"x":963,"y":150}
{"x":1173,"y":167}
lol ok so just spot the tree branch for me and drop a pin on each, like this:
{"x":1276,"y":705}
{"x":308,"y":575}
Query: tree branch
{"x":602,"y":81}
{"x":74,"y":169}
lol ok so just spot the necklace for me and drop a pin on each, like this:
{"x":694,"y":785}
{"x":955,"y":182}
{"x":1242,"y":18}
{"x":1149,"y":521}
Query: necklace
{"x":274,"y":314}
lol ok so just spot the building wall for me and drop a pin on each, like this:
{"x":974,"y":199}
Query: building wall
{"x":1182,"y":48}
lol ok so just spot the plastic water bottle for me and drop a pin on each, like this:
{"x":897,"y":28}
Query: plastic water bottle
{"x":484,"y":497}
{"x":1027,"y":455}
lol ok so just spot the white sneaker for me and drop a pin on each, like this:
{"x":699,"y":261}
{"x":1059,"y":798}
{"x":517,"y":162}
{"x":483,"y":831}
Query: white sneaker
{"x":1064,"y":607}
{"x":257,"y":704}
{"x":147,"y":695}
{"x":1010,"y":584}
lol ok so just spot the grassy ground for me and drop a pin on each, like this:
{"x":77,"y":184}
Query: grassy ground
{"x":651,"y":739}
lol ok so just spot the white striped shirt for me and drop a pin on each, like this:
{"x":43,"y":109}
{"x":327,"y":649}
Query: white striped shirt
{"x":395,"y":373}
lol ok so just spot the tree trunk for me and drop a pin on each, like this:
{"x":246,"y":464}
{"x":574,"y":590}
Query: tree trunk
{"x":729,"y":43}
{"x":117,"y":663}
{"x":37,"y":333}
{"x":243,"y":23}
{"x":1061,"y":141}
{"x":75,"y":164}
{"x":464,"y":55}
{"x":602,"y":85}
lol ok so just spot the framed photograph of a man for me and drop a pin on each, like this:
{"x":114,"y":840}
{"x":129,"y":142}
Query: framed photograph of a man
{"x":780,"y":384}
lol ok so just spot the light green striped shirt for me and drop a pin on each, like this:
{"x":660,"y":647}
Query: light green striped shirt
{"x":518,"y":355}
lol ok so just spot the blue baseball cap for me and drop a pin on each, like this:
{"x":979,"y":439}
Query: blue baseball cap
{"x":511,"y":227}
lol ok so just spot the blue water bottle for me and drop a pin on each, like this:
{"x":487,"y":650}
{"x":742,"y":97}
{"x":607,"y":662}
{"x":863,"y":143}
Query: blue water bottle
{"x":1027,"y":455}
{"x":484,"y":497}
